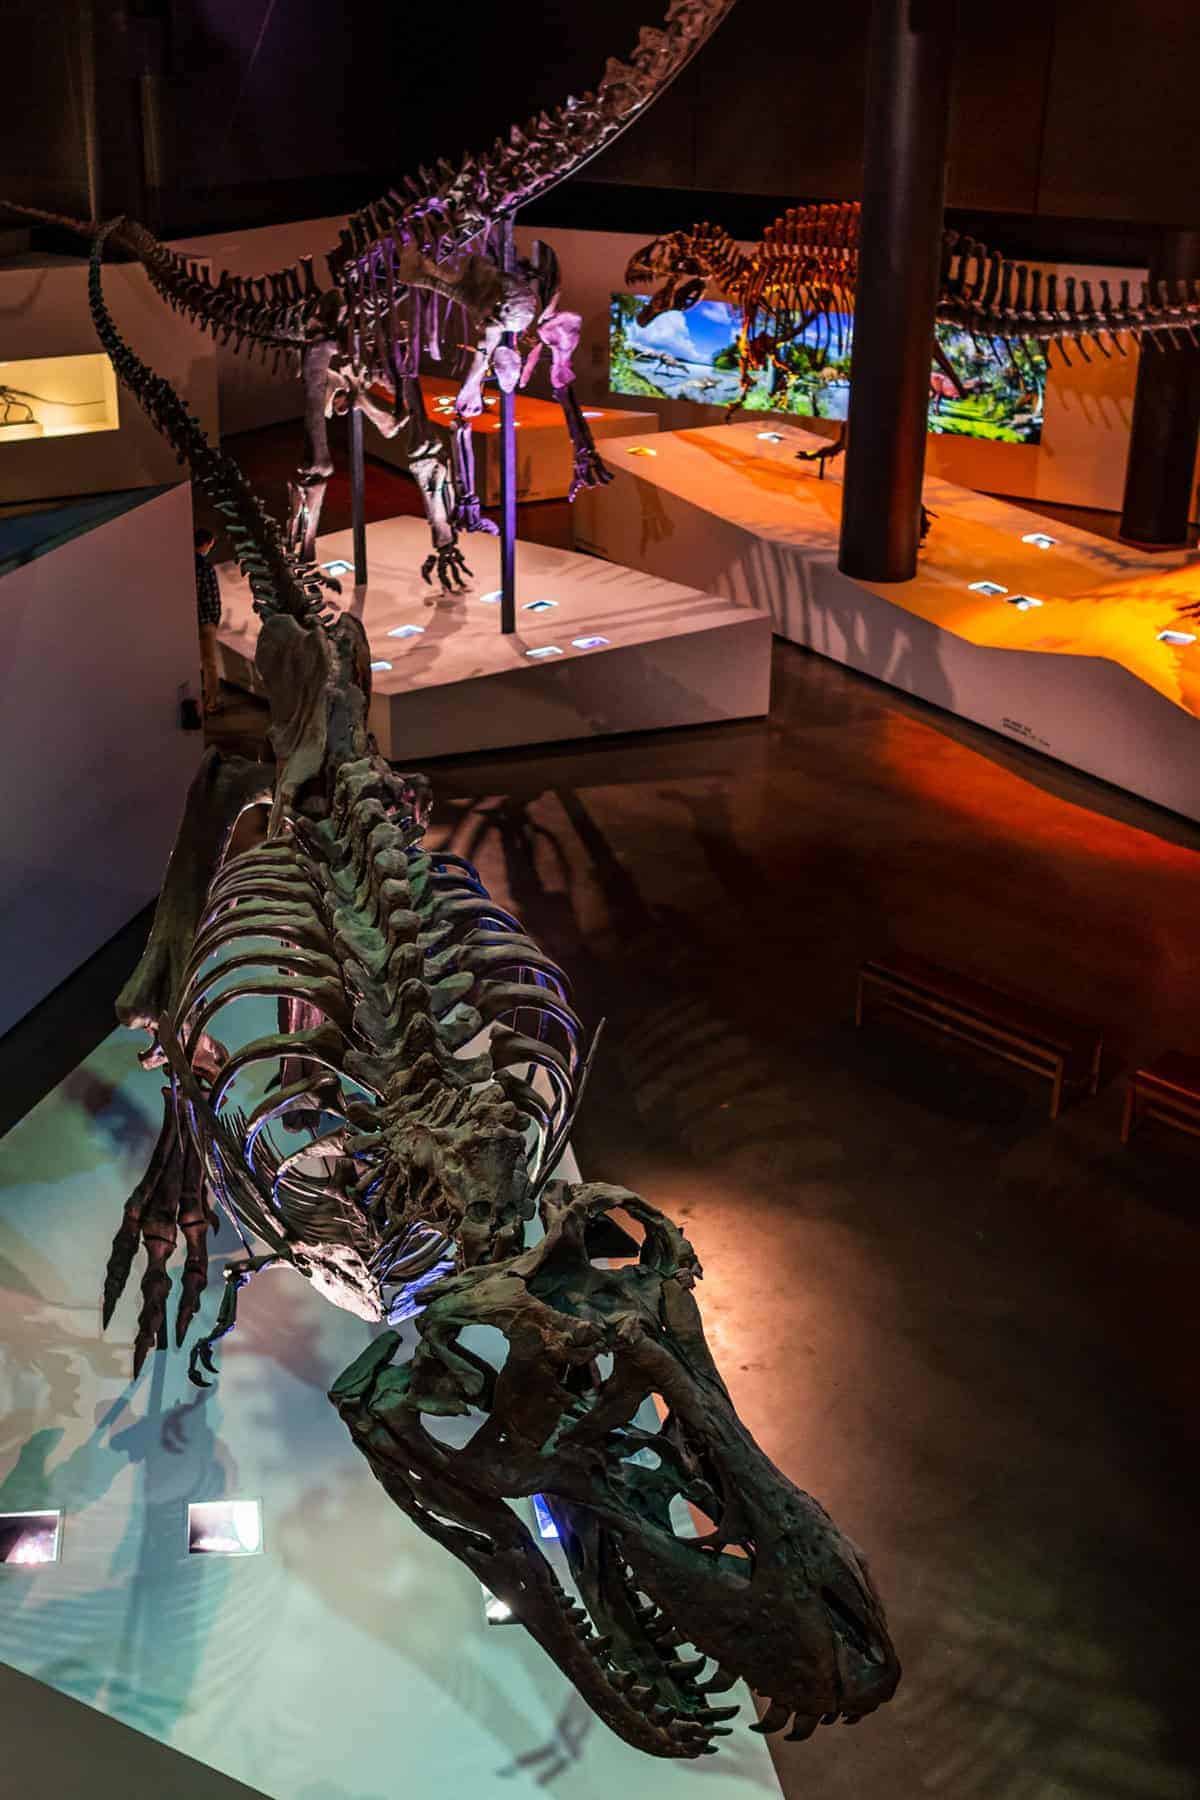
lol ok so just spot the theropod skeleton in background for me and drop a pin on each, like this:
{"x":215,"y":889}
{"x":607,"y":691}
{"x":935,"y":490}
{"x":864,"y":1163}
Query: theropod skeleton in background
{"x":423,"y":266}
{"x":394,"y":1139}
{"x":804,"y":273}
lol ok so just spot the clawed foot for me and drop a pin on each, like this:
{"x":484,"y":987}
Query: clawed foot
{"x":450,"y":567}
{"x":468,"y":516}
{"x":589,"y":471}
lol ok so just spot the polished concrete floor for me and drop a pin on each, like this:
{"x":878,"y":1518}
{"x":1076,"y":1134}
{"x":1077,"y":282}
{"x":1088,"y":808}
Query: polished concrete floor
{"x":971,"y":1332}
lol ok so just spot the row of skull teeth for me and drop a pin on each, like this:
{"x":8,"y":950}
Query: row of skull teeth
{"x":633,"y":1686}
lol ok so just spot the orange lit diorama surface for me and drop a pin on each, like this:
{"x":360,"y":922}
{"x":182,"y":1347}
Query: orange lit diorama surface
{"x":545,"y":457}
{"x":1064,"y":641}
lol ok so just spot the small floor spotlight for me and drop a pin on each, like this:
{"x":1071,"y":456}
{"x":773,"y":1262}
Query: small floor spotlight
{"x":224,"y":1528}
{"x":28,"y":1540}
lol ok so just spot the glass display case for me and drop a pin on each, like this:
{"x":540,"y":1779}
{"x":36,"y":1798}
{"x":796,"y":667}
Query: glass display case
{"x":57,"y":396}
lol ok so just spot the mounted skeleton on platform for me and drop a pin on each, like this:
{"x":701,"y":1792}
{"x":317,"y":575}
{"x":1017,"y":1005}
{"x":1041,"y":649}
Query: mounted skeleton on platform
{"x":430,"y":265}
{"x":803,"y":275}
{"x":393,"y":1139}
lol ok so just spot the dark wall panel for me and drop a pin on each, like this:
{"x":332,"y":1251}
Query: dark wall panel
{"x":1000,"y":72}
{"x":781,"y":102}
{"x":1123,"y":121}
{"x":43,"y":134}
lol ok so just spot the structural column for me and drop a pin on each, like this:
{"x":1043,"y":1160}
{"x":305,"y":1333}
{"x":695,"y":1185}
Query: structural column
{"x":508,"y":462}
{"x":358,"y":513}
{"x":1166,"y":419}
{"x":899,"y":266}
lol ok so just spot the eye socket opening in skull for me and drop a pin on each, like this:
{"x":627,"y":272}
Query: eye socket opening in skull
{"x":689,"y":1495}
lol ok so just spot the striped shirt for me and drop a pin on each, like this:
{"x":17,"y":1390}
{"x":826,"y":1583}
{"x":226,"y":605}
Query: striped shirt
{"x":208,"y":592}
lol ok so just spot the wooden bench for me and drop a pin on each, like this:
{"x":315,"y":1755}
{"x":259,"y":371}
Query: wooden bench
{"x":1168,"y":1090}
{"x":1022,"y":1031}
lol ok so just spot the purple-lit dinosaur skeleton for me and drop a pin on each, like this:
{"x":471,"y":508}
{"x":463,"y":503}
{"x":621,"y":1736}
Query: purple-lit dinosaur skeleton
{"x":394,"y":1139}
{"x":425,"y":266}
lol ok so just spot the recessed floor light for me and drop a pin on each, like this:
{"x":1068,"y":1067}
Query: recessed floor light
{"x":406,"y":631}
{"x":492,"y":599}
{"x":545,"y":1518}
{"x":987,"y":587}
{"x":1177,"y":637}
{"x":224,"y":1528}
{"x":641,"y":450}
{"x":770,"y":437}
{"x":538,"y":605}
{"x":381,"y":664}
{"x":338,"y":567}
{"x":1022,"y":602}
{"x":30,"y":1539}
{"x":1040,"y":539}
{"x":588,"y":643}
{"x":545,"y":650}
{"x":592,"y":413}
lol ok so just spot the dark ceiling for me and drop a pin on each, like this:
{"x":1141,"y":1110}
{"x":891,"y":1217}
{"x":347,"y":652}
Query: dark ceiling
{"x":1078,"y":120}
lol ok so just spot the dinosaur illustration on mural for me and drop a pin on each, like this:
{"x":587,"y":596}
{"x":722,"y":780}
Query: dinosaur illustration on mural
{"x":428,"y":264}
{"x":803,"y":275}
{"x":394,"y":1140}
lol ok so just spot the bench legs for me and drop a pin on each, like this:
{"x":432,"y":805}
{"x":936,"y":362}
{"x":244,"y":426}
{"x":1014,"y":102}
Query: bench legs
{"x":1056,"y":1092}
{"x":1129,"y":1115}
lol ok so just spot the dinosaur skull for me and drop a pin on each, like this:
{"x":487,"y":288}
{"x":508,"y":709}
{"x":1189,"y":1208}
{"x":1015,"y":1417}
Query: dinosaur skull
{"x":770,"y":1589}
{"x":665,"y":260}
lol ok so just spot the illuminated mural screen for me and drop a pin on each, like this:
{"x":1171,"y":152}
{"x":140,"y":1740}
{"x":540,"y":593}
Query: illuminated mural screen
{"x":692,"y":355}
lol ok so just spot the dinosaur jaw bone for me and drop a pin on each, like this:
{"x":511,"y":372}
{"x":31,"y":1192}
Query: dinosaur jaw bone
{"x":772,"y":1592}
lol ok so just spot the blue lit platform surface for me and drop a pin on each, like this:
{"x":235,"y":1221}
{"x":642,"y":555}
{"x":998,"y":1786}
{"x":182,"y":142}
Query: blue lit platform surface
{"x":616,"y":650}
{"x":1065,"y":642}
{"x":351,"y":1660}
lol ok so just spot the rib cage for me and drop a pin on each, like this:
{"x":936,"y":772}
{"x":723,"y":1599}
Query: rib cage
{"x":413,"y":1012}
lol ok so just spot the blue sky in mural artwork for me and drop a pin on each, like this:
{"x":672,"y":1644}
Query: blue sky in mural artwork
{"x":697,"y":335}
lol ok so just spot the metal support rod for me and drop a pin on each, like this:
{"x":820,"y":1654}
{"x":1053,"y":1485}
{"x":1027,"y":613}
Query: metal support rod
{"x":908,"y":101}
{"x":1166,"y":420}
{"x":358,"y":519}
{"x":508,"y":465}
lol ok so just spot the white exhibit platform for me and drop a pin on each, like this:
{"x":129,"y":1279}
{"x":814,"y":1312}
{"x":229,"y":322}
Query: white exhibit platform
{"x":545,"y":454}
{"x":350,"y":1660}
{"x":1080,"y":671}
{"x":615,"y":650}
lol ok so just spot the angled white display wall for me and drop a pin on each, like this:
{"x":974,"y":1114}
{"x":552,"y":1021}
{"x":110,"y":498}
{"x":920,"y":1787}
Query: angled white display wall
{"x":99,"y":638}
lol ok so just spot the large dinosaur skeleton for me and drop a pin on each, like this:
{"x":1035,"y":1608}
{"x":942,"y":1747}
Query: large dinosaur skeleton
{"x":803,"y":274}
{"x":430,"y":264}
{"x":394,"y":1140}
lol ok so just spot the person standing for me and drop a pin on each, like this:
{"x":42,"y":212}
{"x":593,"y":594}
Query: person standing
{"x":208,"y":615}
